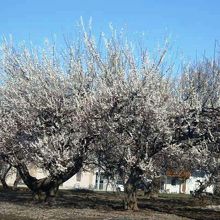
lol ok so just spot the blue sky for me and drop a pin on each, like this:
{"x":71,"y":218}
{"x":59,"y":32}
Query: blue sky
{"x":192,"y":25}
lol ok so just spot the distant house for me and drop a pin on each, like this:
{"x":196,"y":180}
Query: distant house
{"x":183,"y":182}
{"x":93,"y":180}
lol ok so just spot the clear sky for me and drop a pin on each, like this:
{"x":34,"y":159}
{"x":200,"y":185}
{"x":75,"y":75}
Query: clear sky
{"x":193,"y":25}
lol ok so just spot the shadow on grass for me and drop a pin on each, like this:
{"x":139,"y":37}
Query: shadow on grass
{"x":66,"y":198}
{"x":185,"y":206}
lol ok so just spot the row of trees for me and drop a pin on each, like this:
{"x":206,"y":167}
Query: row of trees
{"x":110,"y":106}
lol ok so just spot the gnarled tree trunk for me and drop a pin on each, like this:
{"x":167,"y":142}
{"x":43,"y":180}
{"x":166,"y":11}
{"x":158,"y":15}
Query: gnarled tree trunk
{"x":45,"y":189}
{"x":217,"y":183}
{"x":4,"y":184}
{"x":130,"y":202}
{"x":4,"y":171}
{"x":131,"y":187}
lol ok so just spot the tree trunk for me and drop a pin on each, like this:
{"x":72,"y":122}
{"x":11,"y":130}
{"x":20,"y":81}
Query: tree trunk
{"x":5,"y":171}
{"x":4,"y":184}
{"x":130,"y":201}
{"x":155,"y":187}
{"x":217,"y":184}
{"x":45,"y":189}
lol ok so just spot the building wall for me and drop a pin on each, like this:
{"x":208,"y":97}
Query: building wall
{"x":187,"y":186}
{"x":82,"y":180}
{"x":170,"y":187}
{"x":193,"y":184}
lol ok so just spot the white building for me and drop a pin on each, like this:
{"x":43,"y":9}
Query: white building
{"x":184,"y":182}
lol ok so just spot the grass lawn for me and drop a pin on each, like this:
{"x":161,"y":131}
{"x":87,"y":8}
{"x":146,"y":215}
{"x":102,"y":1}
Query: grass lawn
{"x":88,"y":205}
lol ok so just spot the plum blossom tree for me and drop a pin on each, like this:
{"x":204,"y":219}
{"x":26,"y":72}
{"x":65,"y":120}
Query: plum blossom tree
{"x":152,"y":124}
{"x":196,"y":128}
{"x":134,"y":103}
{"x":43,"y":114}
{"x":194,"y":125}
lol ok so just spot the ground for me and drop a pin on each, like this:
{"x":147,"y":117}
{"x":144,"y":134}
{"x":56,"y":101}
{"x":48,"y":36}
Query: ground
{"x":87,"y":205}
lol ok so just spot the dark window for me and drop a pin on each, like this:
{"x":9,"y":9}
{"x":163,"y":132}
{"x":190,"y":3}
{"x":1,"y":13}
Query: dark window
{"x":96,"y":180}
{"x":101,"y":181}
{"x":173,"y":181}
{"x":99,"y":178}
{"x":199,"y":173}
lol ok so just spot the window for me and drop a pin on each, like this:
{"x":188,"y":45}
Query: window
{"x":99,"y":181}
{"x":173,"y":181}
{"x":199,"y":174}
